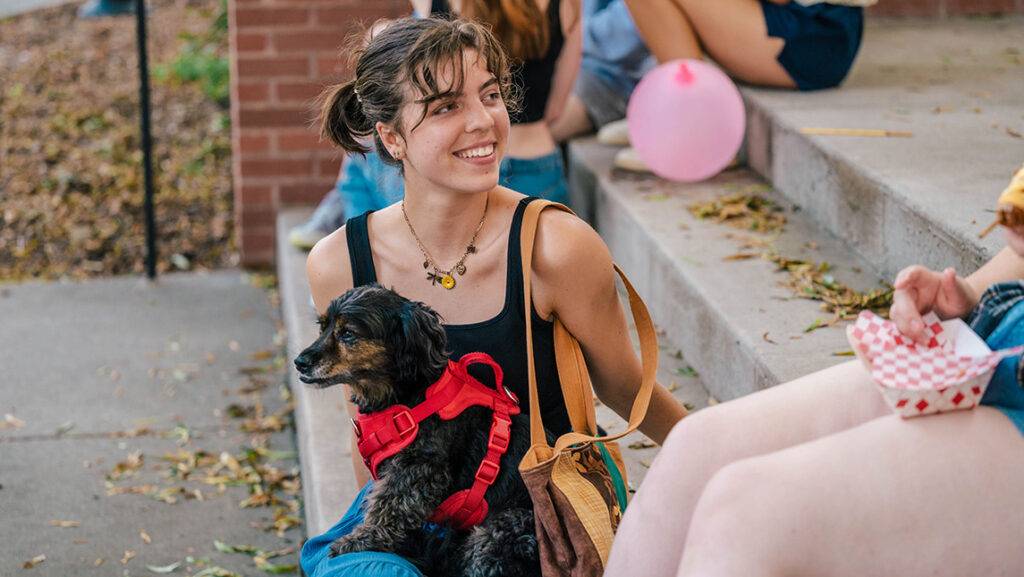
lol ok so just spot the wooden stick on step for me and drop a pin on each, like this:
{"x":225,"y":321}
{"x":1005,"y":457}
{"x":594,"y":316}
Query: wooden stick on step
{"x":857,"y":132}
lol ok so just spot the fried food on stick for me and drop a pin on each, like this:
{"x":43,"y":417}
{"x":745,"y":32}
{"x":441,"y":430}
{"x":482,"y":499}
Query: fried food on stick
{"x":1011,"y":204}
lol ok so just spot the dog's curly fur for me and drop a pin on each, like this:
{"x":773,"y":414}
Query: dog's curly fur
{"x":389,"y":350}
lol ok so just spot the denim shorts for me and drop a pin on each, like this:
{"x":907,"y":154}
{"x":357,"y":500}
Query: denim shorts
{"x":543,"y":176}
{"x":602,"y":103}
{"x":821,"y":40}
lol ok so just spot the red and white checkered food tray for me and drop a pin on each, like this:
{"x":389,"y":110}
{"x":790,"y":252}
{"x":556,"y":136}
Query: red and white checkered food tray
{"x":949,"y":373}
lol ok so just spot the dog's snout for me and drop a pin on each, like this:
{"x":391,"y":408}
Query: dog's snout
{"x":303,"y":362}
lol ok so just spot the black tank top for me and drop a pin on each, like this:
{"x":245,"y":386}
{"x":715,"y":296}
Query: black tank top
{"x":534,"y":76}
{"x":503,"y":337}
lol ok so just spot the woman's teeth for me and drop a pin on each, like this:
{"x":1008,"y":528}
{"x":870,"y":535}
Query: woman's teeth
{"x":475,"y":152}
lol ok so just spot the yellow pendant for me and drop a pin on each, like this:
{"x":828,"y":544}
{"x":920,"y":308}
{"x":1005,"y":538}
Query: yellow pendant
{"x":448,"y":282}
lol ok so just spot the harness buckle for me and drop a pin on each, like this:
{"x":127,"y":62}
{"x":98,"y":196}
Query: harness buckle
{"x":357,"y":428}
{"x":500,"y":436}
{"x":487,"y":472}
{"x":409,"y":427}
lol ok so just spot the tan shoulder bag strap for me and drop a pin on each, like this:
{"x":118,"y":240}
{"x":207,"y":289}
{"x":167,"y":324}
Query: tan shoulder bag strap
{"x":572,"y":368}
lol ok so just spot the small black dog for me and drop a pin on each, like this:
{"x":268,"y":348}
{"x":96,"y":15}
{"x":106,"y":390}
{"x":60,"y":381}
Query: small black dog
{"x":389,"y":350}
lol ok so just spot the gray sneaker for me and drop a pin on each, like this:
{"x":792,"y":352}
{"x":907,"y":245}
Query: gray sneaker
{"x":327,"y":218}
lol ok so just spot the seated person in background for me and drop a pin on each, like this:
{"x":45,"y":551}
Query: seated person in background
{"x":778,"y":43}
{"x":819,"y":477}
{"x":615,"y":58}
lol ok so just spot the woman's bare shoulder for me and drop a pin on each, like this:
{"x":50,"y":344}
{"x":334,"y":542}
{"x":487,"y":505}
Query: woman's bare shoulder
{"x":328,"y":268}
{"x":570,"y":259}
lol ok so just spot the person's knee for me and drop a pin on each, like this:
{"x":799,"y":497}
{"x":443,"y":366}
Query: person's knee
{"x":700,"y":431}
{"x":738,"y":522}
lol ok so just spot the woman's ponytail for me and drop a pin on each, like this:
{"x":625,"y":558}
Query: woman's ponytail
{"x":342,"y":119}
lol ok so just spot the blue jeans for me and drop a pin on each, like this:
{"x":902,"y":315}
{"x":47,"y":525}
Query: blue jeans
{"x":316,"y":562}
{"x":369,"y":184}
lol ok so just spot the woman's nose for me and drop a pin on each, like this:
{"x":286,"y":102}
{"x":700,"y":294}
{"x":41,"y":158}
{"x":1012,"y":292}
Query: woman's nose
{"x":479,"y":117}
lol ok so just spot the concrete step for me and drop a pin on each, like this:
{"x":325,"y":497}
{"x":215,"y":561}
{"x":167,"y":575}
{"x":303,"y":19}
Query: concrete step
{"x":322,"y":425}
{"x":956,"y":85}
{"x":733,"y":318}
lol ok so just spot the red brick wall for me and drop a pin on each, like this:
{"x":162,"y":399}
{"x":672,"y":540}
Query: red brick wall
{"x":282,"y":53}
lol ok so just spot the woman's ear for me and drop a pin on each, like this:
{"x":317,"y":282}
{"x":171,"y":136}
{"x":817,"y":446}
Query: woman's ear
{"x":391,"y":139}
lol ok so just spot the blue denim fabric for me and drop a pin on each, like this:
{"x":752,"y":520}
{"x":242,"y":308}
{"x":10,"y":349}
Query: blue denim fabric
{"x":317,"y":563}
{"x":999,"y":319}
{"x":543,"y":177}
{"x":613,"y":50}
{"x":370,"y":184}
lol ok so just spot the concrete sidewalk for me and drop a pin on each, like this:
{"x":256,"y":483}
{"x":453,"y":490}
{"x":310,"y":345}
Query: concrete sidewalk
{"x":99,"y":382}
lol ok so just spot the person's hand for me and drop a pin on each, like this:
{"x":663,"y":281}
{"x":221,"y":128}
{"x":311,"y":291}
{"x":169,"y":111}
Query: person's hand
{"x":1015,"y":239}
{"x":919,"y":290}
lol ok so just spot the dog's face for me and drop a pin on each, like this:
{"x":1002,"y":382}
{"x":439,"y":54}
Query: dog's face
{"x":387,"y":348}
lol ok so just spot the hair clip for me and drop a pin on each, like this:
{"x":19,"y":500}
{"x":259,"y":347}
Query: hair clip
{"x":358,"y":98}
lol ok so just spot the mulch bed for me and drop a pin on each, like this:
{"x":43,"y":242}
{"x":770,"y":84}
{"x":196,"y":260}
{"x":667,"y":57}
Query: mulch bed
{"x":71,"y":184}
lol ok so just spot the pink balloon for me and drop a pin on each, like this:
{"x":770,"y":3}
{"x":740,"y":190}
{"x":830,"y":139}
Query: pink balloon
{"x":686,"y":120}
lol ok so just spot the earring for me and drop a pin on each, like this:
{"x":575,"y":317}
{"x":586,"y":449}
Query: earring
{"x":397,"y":154}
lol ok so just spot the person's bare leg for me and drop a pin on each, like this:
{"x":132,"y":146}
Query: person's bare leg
{"x":732,"y":32}
{"x":573,"y":121}
{"x":650,"y":539}
{"x":936,"y":496}
{"x":665,"y":29}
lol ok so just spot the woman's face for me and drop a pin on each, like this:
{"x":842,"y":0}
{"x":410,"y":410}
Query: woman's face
{"x":460,"y":141}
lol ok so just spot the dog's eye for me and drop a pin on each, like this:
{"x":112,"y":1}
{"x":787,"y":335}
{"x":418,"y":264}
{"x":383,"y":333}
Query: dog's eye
{"x":347,"y":335}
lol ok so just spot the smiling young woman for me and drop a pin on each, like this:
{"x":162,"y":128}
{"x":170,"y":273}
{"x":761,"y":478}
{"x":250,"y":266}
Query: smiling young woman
{"x":434,"y":96}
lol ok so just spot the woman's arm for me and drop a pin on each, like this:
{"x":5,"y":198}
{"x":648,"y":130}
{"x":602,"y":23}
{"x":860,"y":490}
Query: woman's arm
{"x":327,"y":281}
{"x":420,"y":8}
{"x":568,"y":63}
{"x":574,"y":279}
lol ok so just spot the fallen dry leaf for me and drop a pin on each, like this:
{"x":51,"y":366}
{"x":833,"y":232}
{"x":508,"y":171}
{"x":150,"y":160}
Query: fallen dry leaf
{"x":34,"y":561}
{"x":746,"y":211}
{"x":65,"y":523}
{"x":128,"y":555}
{"x":145,"y":537}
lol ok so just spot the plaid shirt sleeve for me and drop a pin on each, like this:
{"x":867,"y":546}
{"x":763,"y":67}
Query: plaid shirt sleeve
{"x":995,"y":302}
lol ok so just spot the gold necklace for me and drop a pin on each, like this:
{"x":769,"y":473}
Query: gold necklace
{"x":445,"y":276}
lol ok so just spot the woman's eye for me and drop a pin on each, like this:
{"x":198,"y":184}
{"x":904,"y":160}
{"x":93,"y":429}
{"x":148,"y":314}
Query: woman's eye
{"x":493,"y":96}
{"x":444,"y":108}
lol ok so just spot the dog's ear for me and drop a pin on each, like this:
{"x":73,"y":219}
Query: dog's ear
{"x":419,"y":354}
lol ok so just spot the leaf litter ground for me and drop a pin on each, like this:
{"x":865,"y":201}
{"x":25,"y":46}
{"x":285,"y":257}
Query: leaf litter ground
{"x":71,"y":198}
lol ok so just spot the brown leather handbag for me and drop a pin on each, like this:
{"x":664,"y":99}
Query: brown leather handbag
{"x":578,"y":487}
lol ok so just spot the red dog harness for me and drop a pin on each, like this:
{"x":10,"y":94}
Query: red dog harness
{"x":385,"y":433}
